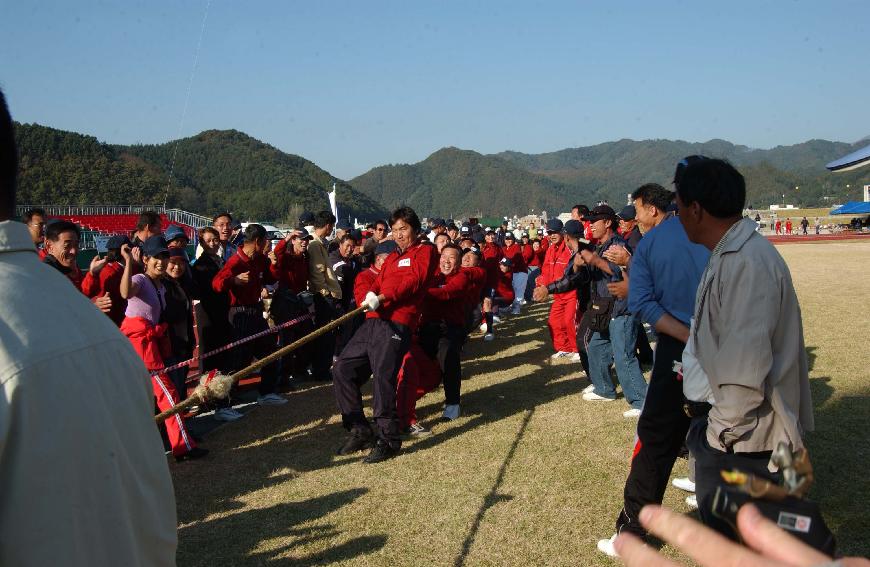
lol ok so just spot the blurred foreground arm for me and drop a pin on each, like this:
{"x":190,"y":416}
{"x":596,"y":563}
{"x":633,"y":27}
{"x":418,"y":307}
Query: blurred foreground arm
{"x":766,"y":543}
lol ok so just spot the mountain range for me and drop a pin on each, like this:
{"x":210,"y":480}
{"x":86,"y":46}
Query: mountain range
{"x":220,"y":170}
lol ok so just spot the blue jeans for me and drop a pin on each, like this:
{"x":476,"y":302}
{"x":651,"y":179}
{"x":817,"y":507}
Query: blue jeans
{"x":519,"y":285}
{"x":617,"y":345}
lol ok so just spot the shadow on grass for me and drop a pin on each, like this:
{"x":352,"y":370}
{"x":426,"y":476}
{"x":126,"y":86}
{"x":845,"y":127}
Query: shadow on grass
{"x":242,"y":535}
{"x":840,"y":452}
{"x":493,"y":497}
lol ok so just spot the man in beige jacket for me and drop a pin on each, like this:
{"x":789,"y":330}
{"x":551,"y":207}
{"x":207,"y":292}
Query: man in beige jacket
{"x":83,"y":476}
{"x":327,"y":294}
{"x":747,"y":337}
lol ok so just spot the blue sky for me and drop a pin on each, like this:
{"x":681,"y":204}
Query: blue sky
{"x":352,"y":85}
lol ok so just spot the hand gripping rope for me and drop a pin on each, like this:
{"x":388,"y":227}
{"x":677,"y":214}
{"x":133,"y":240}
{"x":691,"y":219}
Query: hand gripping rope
{"x":217,"y":386}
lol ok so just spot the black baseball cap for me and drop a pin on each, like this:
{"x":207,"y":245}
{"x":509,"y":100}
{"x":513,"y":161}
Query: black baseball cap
{"x":117,"y":241}
{"x":303,"y":234}
{"x":154,"y":246}
{"x":306,"y":217}
{"x":628,"y":212}
{"x":506,"y":262}
{"x":554,"y":225}
{"x":573,"y":228}
{"x":464,"y":229}
{"x":385,"y":247}
{"x":509,"y":236}
{"x":600,"y":212}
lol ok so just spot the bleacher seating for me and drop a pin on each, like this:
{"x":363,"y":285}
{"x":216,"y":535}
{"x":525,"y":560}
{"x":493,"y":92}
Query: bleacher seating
{"x":117,"y":224}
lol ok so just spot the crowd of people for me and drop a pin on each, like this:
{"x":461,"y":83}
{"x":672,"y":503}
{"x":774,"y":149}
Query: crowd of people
{"x":728,"y":374}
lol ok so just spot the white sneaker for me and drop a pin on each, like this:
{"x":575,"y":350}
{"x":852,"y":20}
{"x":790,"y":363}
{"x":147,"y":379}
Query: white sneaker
{"x":524,"y":302}
{"x":633,"y":412}
{"x":593,"y":397}
{"x":683,"y":483}
{"x":692,"y":501}
{"x":488,"y":337}
{"x":575,"y":357}
{"x":483,"y":327}
{"x":271,"y":400}
{"x":605,"y":546}
{"x":451,"y":412}
{"x":227,"y":414}
{"x":496,"y":319}
{"x":589,"y":389}
{"x":559,"y":354}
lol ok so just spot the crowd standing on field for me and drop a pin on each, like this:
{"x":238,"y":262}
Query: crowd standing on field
{"x":728,"y":374}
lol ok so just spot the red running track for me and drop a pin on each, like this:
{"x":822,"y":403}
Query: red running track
{"x":810,"y":238}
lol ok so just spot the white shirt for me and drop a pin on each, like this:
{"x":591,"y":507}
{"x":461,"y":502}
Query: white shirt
{"x":83,"y":474}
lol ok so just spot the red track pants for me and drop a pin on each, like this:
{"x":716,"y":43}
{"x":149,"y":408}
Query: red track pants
{"x":179,"y":438}
{"x":563,"y":332}
{"x":418,"y":376}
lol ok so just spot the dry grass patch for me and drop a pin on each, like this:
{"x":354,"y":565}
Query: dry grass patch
{"x":529,"y":475}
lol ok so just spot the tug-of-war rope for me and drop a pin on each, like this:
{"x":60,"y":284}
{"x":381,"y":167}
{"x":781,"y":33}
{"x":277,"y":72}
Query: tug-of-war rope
{"x":216,"y":386}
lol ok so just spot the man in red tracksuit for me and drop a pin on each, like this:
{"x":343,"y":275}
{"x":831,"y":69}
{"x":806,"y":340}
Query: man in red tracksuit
{"x":492,"y":255}
{"x":365,"y":280}
{"x":564,"y":308}
{"x":378,"y":347}
{"x":471,"y":259}
{"x":442,"y":330}
{"x":290,"y":267}
{"x":514,"y":252}
{"x":243,"y":277}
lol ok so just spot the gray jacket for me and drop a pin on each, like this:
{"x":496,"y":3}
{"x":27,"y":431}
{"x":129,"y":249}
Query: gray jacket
{"x":749,"y":341}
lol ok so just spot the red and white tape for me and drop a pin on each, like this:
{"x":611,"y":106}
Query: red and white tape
{"x":234,"y":344}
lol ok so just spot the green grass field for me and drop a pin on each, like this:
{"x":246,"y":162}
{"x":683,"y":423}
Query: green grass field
{"x":529,"y":475}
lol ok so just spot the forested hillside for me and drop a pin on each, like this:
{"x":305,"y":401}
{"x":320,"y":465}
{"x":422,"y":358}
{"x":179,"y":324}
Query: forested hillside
{"x":214,"y":171}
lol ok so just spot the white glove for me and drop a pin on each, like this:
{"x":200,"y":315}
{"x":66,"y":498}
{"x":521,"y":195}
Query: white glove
{"x":371,"y":302}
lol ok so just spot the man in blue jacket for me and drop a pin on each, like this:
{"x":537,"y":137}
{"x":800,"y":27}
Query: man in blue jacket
{"x":665,"y":271}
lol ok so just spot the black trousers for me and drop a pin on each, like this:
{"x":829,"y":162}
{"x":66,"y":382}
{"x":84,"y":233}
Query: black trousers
{"x":584,"y":335}
{"x":444,"y":342}
{"x":325,"y":311}
{"x":376,"y":349}
{"x":286,"y":305}
{"x":247,"y":321}
{"x":708,"y":463}
{"x":644,"y":352}
{"x":661,"y":432}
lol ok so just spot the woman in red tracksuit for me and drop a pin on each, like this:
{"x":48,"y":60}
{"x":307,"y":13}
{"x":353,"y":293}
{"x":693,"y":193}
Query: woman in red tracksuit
{"x":564,"y":308}
{"x":147,"y":332}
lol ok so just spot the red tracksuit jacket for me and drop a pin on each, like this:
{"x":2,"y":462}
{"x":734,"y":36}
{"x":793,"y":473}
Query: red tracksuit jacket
{"x":446,"y":299}
{"x":492,"y":255}
{"x":249,"y":293}
{"x":403,"y":281}
{"x":504,"y":286}
{"x":291,"y":271}
{"x":363,"y":284}
{"x":515,"y":253}
{"x":555,"y":262}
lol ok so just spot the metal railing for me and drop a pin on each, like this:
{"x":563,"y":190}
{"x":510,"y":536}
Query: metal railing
{"x":88,"y":241}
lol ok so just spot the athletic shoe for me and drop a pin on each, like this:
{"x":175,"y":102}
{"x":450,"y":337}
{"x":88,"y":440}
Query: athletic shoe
{"x":593,"y":397}
{"x":575,"y":357}
{"x":227,"y":414}
{"x":381,"y":452}
{"x":515,"y":310}
{"x":692,"y":501}
{"x":451,"y":412}
{"x":523,"y":302}
{"x":589,"y":389}
{"x":488,"y":337}
{"x":633,"y":412}
{"x":496,"y":319}
{"x":559,"y":354}
{"x":195,"y":453}
{"x":360,"y":438}
{"x":271,"y":400}
{"x":605,"y":546}
{"x":683,"y":483}
{"x":417,"y":430}
{"x":483,"y":327}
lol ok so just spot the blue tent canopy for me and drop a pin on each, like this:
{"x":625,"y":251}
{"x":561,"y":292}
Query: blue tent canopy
{"x":852,"y":208}
{"x":852,"y":161}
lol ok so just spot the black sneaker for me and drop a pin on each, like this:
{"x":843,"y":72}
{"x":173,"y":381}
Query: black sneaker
{"x":416,"y":430}
{"x":360,"y":438}
{"x":195,"y":453}
{"x":381,"y":452}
